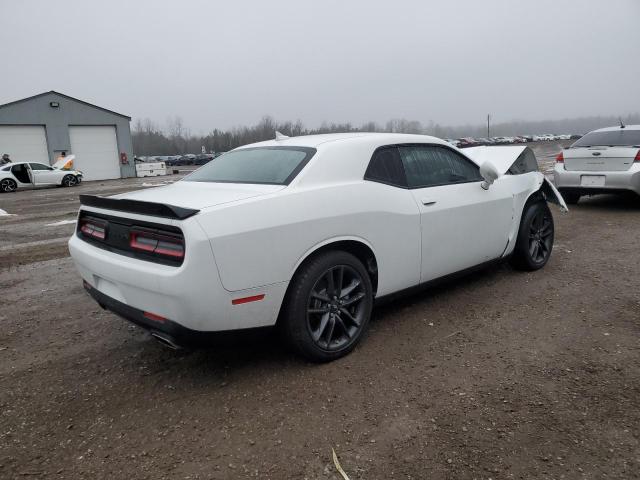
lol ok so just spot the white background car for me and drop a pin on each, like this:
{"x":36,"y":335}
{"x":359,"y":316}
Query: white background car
{"x":307,"y":231}
{"x":17,"y":175}
{"x":603,"y":161}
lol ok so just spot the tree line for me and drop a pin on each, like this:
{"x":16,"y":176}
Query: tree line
{"x":176,"y":139}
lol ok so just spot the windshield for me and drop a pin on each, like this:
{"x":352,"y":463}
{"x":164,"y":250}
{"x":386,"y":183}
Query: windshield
{"x":268,"y":165}
{"x":614,"y":138}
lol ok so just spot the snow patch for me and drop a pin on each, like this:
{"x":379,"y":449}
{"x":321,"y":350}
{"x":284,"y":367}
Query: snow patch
{"x":145,"y":184}
{"x":61,"y":222}
{"x":5,"y":214}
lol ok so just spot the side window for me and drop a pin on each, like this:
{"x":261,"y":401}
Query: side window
{"x":430,"y":165}
{"x":38,"y":166}
{"x":386,"y":167}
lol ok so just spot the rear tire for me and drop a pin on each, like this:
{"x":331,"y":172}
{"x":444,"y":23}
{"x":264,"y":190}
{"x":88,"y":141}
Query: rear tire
{"x":535,"y":237}
{"x":327,"y":307}
{"x":571,"y":198}
{"x":8,"y":185}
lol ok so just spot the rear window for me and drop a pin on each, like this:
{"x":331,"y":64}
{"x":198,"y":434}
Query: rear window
{"x":263,"y":165}
{"x":615,"y":138}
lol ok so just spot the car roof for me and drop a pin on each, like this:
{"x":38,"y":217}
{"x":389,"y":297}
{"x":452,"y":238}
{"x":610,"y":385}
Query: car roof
{"x":21,"y":163}
{"x":316,"y":141}
{"x":617,"y":127}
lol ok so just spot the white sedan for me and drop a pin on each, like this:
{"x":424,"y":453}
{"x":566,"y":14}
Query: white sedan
{"x":304,"y":233}
{"x":17,"y":175}
{"x":603,"y":161}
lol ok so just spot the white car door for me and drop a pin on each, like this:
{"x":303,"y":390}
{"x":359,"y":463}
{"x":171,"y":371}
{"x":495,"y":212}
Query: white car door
{"x":44,"y":174}
{"x":462,"y":224}
{"x":23,"y":175}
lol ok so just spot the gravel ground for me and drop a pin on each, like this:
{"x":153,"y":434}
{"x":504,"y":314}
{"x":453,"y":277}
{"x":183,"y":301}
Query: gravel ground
{"x":499,"y":375}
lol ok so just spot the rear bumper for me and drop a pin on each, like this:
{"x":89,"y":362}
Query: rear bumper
{"x":628,"y":180}
{"x":173,"y":333}
{"x":191,"y":296}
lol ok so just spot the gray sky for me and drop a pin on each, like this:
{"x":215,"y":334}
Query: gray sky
{"x":219,"y":64}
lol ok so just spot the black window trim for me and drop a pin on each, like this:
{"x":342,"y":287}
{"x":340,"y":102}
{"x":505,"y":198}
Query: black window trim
{"x":391,"y":184}
{"x":47,"y":169}
{"x":406,"y":186}
{"x":309,"y":151}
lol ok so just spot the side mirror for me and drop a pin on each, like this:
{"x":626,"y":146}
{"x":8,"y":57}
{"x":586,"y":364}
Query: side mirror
{"x":490,"y":174}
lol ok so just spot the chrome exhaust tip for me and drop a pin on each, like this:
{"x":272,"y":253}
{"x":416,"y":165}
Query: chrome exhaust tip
{"x":166,"y":341}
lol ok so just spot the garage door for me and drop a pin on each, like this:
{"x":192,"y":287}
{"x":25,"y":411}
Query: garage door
{"x":24,"y":144}
{"x":96,"y":151}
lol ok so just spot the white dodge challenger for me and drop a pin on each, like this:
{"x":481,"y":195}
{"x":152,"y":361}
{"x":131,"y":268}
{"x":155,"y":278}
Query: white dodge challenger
{"x":306,"y":232}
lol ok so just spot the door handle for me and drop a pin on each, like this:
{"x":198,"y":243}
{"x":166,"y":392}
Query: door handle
{"x":427,"y":203}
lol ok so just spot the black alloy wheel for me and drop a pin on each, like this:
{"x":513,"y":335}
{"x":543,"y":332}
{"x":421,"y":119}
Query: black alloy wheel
{"x":336,"y":307}
{"x":327,"y":307}
{"x":535,"y":237}
{"x":540,"y":236}
{"x":7,"y":185}
{"x":69,"y":181}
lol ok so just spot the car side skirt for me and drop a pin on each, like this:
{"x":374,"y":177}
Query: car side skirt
{"x":407,"y":292}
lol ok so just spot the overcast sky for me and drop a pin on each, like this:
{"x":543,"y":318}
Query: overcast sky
{"x":225,"y":63}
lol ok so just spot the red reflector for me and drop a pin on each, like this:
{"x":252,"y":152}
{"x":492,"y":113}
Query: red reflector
{"x":154,"y":317}
{"x":560,"y":158}
{"x":239,"y":301}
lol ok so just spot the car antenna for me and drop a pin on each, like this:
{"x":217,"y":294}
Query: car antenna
{"x":280,"y":136}
{"x":622,"y":125}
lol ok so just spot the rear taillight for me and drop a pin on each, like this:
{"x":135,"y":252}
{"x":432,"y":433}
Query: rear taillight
{"x":560,"y":158}
{"x":637,"y":159}
{"x":156,"y":244}
{"x":93,"y":228}
{"x":154,"y":316}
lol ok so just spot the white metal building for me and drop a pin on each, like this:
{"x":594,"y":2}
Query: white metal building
{"x":40,"y":128}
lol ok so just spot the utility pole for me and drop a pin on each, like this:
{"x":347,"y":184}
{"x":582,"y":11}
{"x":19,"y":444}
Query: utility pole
{"x":488,"y":126}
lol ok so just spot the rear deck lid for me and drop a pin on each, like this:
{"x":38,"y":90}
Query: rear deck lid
{"x":199,"y":195}
{"x":599,"y":158}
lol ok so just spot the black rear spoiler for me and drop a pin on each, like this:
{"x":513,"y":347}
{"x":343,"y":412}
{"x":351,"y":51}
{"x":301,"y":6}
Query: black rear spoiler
{"x":137,"y":206}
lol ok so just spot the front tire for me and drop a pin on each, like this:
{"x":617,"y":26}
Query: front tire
{"x":535,"y":237}
{"x":69,"y":181}
{"x":328,"y":306}
{"x":8,"y":185}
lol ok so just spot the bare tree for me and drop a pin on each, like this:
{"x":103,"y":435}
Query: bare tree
{"x":149,"y":139}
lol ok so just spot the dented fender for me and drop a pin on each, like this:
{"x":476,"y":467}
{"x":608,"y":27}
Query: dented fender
{"x":503,"y":158}
{"x":552,"y":195}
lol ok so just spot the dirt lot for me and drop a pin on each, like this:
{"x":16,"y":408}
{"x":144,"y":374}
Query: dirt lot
{"x":500,"y":375}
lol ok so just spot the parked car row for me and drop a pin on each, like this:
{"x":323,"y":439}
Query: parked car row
{"x":476,"y":142}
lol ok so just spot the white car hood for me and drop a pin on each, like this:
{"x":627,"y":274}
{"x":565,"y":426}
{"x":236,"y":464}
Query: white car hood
{"x":200,"y":195}
{"x":65,"y":163}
